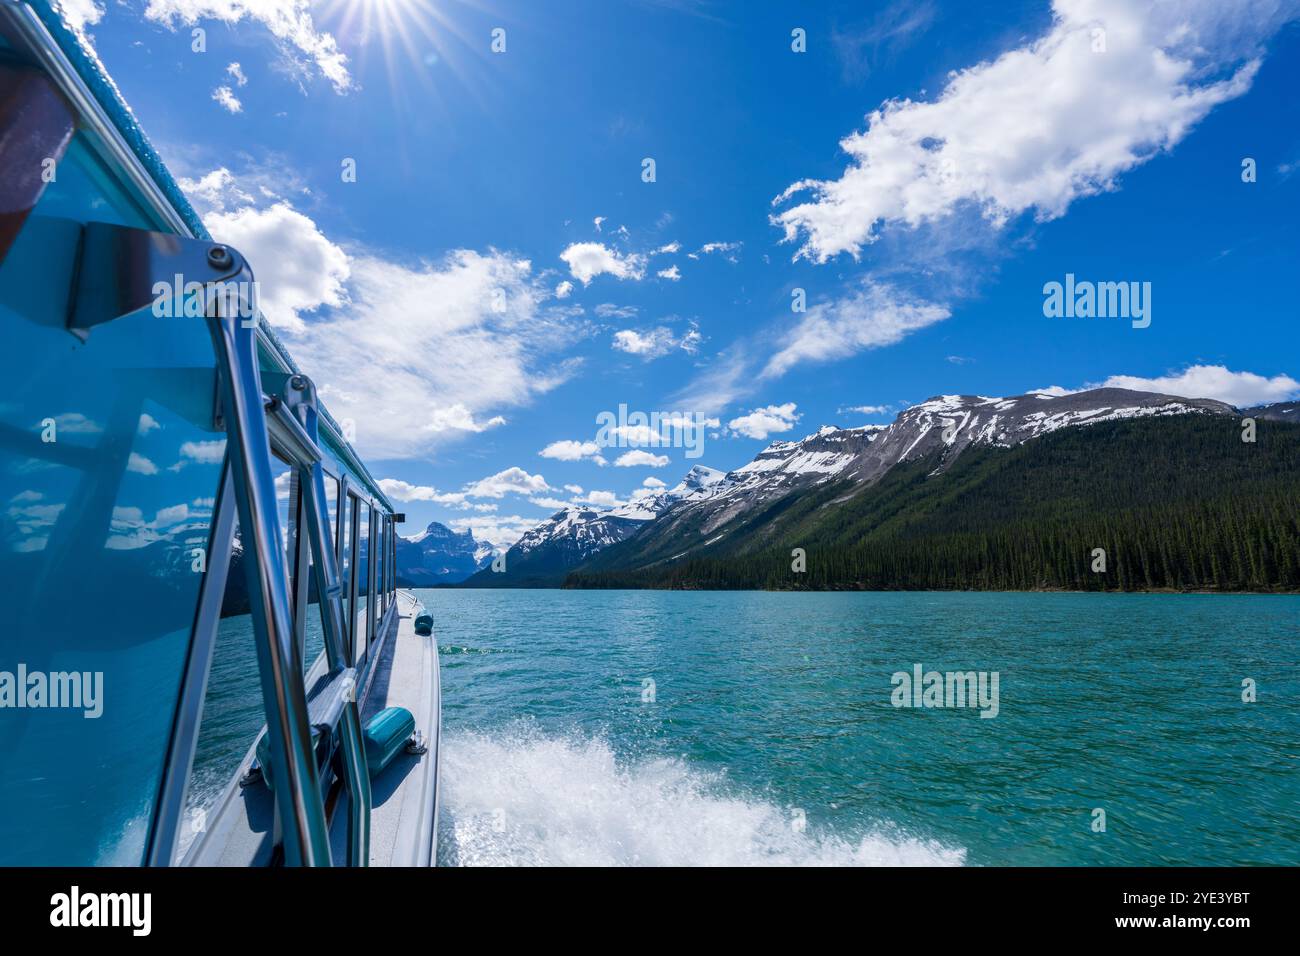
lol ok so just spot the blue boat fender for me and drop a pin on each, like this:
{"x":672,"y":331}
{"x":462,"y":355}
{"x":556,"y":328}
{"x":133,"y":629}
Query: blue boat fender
{"x":386,"y":734}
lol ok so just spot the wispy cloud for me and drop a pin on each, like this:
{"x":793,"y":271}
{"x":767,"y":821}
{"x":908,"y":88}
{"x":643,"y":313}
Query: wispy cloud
{"x":1023,"y":132}
{"x":226,"y":97}
{"x":652,"y":343}
{"x":862,"y":47}
{"x":869,"y":317}
{"x":289,"y":21}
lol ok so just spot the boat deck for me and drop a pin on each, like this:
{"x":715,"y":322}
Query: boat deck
{"x":404,"y":797}
{"x":403,"y":816}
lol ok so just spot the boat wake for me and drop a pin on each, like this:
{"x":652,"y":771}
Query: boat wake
{"x":526,"y":799}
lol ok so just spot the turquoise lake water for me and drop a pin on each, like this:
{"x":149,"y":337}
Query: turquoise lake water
{"x":769,"y":736}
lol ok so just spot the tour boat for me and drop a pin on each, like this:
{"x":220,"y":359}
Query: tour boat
{"x":205,"y":658}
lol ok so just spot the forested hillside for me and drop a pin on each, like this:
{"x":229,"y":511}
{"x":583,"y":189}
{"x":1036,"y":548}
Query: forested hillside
{"x":1176,"y":503}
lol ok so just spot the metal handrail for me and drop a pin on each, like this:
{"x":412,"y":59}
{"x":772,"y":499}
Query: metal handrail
{"x":300,"y":400}
{"x":302,"y":812}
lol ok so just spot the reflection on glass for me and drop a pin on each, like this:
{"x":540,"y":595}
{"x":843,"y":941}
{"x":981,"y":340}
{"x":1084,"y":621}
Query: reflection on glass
{"x":363,"y":580}
{"x":381,"y":552}
{"x":345,"y":565}
{"x":232,"y":711}
{"x":109,"y":467}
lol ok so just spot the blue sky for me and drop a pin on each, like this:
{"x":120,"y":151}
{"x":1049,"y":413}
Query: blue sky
{"x":461,"y":304}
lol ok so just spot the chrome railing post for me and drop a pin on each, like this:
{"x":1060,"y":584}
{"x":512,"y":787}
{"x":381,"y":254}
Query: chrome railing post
{"x":300,"y":397}
{"x":293,"y":759}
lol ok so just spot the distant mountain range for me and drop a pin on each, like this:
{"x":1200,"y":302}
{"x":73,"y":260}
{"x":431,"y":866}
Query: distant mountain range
{"x":880,"y":506}
{"x":439,"y":556}
{"x":543,"y":556}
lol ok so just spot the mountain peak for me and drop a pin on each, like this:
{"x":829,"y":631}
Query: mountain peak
{"x":702,"y":476}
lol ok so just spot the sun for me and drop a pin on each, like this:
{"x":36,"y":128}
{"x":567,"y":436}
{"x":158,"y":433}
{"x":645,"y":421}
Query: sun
{"x":423,"y":43}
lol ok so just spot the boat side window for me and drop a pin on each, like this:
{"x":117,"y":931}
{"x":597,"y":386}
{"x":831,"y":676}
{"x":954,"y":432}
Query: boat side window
{"x":110,"y":461}
{"x":232,"y":713}
{"x":286,"y":508}
{"x":381,"y":565}
{"x":392,"y":558}
{"x":361,"y":571}
{"x":347,"y":506}
{"x":388,"y":562}
{"x":333,"y":490}
{"x":315,"y":636}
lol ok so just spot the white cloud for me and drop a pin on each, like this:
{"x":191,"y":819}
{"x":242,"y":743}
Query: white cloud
{"x":672,"y":274}
{"x":140,"y":465}
{"x":573,"y":489}
{"x":81,"y":14}
{"x":510,"y":481}
{"x":586,"y":260}
{"x":668,"y":248}
{"x":236,"y":73}
{"x":297,"y":269}
{"x":636,"y":459}
{"x":608,"y":310}
{"x":1241,"y":389}
{"x":228,"y":100}
{"x":564,"y":289}
{"x":423,"y":351}
{"x":499,"y":530}
{"x":146,"y":424}
{"x":204,"y":452}
{"x":690,"y":342}
{"x":865,"y":410}
{"x":653,"y":482}
{"x":875,"y":315}
{"x":635,"y":435}
{"x":550,"y":504}
{"x":398,"y":490}
{"x":603,"y":499}
{"x":216,"y":191}
{"x":762,"y":422}
{"x":289,"y":21}
{"x":657,"y":341}
{"x":459,"y":418}
{"x":570,"y":450}
{"x":1025,"y":131}
{"x":597,"y":221}
{"x":728,"y":250}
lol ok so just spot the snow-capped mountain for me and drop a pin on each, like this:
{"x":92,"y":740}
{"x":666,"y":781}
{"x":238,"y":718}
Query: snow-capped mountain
{"x":1277,"y":412}
{"x":439,"y":555}
{"x":705,"y":505}
{"x":952,"y":422}
{"x":780,"y":468}
{"x":958,"y":421}
{"x":572,"y":535}
{"x":582,"y":531}
{"x":699,"y":482}
{"x":947,"y":423}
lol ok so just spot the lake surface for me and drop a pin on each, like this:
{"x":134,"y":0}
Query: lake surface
{"x":768,"y":734}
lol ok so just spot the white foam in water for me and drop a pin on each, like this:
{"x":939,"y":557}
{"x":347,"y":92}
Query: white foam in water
{"x":525,"y":799}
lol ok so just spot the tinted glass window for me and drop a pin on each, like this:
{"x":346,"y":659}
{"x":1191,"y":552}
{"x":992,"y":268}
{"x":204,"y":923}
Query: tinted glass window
{"x":362,"y":572}
{"x":109,"y":465}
